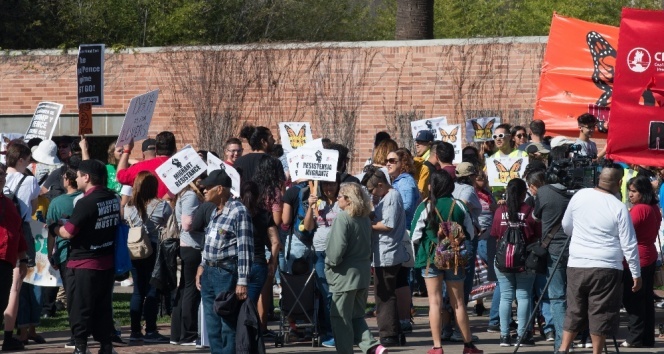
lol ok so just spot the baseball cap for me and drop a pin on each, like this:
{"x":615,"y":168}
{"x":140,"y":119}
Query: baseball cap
{"x":149,"y":144}
{"x":217,"y":178}
{"x":536,"y":147}
{"x":424,"y":135}
{"x":465,"y":169}
{"x":92,"y":168}
{"x":560,"y":141}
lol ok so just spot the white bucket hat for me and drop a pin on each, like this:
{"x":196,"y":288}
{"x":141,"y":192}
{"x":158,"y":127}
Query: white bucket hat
{"x":46,"y":153}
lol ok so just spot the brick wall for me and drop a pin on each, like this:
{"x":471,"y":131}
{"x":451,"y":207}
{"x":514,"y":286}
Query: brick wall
{"x":348,"y":91}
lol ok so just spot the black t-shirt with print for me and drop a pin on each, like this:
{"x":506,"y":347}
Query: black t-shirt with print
{"x":96,"y":216}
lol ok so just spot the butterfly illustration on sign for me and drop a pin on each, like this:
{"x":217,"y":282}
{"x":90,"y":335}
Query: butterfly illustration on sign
{"x":504,"y":174}
{"x":450,"y":137}
{"x":604,"y":59}
{"x":483,"y":132}
{"x":299,"y":139}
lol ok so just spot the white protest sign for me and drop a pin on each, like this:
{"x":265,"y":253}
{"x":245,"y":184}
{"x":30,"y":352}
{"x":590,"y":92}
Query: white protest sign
{"x":43,"y":273}
{"x":44,"y":121}
{"x":180,"y":169}
{"x":215,"y":163}
{"x":503,"y":169}
{"x":294,"y":134}
{"x":481,"y":129}
{"x":430,"y":124}
{"x":314,"y":144}
{"x":452,"y":134}
{"x":313,"y":164}
{"x":137,"y":120}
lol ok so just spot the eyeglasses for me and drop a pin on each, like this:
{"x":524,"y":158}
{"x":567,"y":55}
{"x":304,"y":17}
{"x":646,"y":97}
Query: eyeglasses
{"x":500,"y":136}
{"x":392,"y":161}
{"x":238,"y":151}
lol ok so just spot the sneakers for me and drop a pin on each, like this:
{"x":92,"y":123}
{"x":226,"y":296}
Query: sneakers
{"x":379,"y":349}
{"x":12,"y":343}
{"x":435,"y":351}
{"x":188,"y":344}
{"x":479,"y":309}
{"x":117,"y":340}
{"x":328,"y":343}
{"x":70,"y":344}
{"x":155,"y":337}
{"x":550,"y":336}
{"x":526,"y":341}
{"x":390,"y":341}
{"x":406,"y":327}
{"x":493,"y":329}
{"x":136,"y":337}
{"x":505,"y":341}
{"x":472,"y":350}
{"x":587,"y":344}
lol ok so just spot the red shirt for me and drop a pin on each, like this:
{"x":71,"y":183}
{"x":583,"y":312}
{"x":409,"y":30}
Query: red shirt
{"x":128,"y":175}
{"x":12,"y":241}
{"x":532,"y":230}
{"x":646,"y":219}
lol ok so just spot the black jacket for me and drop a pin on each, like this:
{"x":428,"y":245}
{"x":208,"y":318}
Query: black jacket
{"x":164,"y":274}
{"x":248,"y":338}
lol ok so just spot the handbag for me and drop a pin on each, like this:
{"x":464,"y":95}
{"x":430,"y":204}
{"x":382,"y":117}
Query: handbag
{"x":450,"y":251}
{"x":138,"y":241}
{"x":538,"y":255}
{"x":659,"y":272}
{"x":122,"y":257}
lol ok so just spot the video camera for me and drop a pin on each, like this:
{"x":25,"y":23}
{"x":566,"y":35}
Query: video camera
{"x":574,"y":172}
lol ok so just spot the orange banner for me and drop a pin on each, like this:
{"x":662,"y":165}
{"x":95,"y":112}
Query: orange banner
{"x":577,"y":74}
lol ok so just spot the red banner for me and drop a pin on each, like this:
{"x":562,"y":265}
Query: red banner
{"x":577,"y":74}
{"x":636,"y":133}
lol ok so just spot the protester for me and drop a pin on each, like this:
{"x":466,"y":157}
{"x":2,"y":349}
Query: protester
{"x":348,"y":271}
{"x":537,"y":132}
{"x":506,"y":148}
{"x":261,"y":141}
{"x":380,"y":136}
{"x":601,"y":236}
{"x":519,"y":285}
{"x":423,"y":146}
{"x":227,"y":258}
{"x":424,"y":231}
{"x":148,"y":149}
{"x":232,"y":150}
{"x":646,"y":217}
{"x":519,"y":136}
{"x":147,"y":211}
{"x":12,"y":252}
{"x":46,"y":156}
{"x":90,"y":273}
{"x":486,"y":247}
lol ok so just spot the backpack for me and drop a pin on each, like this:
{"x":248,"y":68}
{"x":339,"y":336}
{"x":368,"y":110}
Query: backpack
{"x":12,"y":195}
{"x":138,"y":240}
{"x":306,"y":237}
{"x":511,"y":251}
{"x":450,"y":252}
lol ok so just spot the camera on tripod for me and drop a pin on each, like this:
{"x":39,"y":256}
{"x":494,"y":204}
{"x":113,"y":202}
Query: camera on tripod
{"x":575,"y":171}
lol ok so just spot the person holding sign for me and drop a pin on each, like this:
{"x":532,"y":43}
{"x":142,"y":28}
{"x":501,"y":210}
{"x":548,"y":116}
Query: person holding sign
{"x":506,"y":148}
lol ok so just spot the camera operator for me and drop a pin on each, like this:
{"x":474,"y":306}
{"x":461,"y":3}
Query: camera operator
{"x":550,"y":205}
{"x":602,"y":234}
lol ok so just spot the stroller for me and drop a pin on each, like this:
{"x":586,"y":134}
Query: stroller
{"x":299,"y":303}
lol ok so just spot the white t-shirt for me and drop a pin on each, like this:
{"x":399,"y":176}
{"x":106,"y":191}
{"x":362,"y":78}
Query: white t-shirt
{"x":28,"y":192}
{"x":588,"y":148}
{"x":602,"y":232}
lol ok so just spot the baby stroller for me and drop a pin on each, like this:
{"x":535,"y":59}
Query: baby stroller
{"x":299,"y":303}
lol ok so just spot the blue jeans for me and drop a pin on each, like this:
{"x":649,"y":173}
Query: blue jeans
{"x":257,"y":278}
{"x":326,"y":296}
{"x":221,"y":330}
{"x":545,"y":305}
{"x":557,"y":292}
{"x":29,"y":306}
{"x":494,"y":312}
{"x":144,"y":300}
{"x":521,"y":285}
{"x":471,"y":246}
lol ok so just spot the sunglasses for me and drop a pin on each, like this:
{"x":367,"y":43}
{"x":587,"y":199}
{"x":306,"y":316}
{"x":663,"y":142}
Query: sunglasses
{"x":499,"y":136}
{"x":392,"y":161}
{"x":520,"y":135}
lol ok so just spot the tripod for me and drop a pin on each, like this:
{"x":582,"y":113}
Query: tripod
{"x":539,"y":300}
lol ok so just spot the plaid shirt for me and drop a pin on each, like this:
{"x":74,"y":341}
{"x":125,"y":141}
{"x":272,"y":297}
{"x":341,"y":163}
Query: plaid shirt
{"x":230,"y":234}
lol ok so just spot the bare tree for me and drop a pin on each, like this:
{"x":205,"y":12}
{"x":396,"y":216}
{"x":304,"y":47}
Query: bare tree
{"x":414,"y":19}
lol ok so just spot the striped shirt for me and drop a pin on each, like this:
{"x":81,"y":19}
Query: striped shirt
{"x":231,"y":234}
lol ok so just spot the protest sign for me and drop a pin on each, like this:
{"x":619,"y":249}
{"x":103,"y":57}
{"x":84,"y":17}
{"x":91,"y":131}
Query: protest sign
{"x":44,"y":121}
{"x":577,"y":74}
{"x":503,"y":169}
{"x":314,"y":144}
{"x":452,"y":134}
{"x":215,"y":163}
{"x":42,"y":274}
{"x":180,"y":169}
{"x":137,"y":120}
{"x":481,"y":129}
{"x":431,"y":124}
{"x":90,"y":74}
{"x":84,"y":119}
{"x":636,"y":134}
{"x":294,"y":134}
{"x":313,"y":164}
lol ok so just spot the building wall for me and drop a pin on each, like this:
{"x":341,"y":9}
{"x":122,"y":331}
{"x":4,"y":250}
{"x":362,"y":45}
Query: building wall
{"x":348,"y":91}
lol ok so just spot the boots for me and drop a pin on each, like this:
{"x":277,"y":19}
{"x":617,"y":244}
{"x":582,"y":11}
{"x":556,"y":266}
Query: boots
{"x":106,"y":348}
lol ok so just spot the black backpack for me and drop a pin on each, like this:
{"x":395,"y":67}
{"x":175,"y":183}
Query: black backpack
{"x":12,"y":196}
{"x":511,"y":251}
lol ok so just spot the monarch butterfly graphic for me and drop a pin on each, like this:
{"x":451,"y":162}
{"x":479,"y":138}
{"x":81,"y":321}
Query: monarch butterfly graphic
{"x":505,"y":175}
{"x":297,"y":140}
{"x":604,"y":58}
{"x":450,"y":137}
{"x":483,"y":132}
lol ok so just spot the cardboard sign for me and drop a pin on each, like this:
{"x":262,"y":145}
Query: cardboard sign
{"x":577,"y":74}
{"x":314,"y":144}
{"x":44,"y":121}
{"x":215,"y":163}
{"x":42,"y":274}
{"x":636,"y":132}
{"x":84,"y":119}
{"x":452,"y":134}
{"x":138,"y":118}
{"x":431,"y":124}
{"x":90,"y":74}
{"x":180,"y":169}
{"x":294,"y":135}
{"x":313,"y":164}
{"x":481,"y":129}
{"x":502,"y":170}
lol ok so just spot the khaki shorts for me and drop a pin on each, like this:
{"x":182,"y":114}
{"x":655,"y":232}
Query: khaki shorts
{"x":594,"y":296}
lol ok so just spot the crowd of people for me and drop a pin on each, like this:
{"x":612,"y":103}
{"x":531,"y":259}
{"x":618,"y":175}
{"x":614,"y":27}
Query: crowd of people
{"x":389,"y":226}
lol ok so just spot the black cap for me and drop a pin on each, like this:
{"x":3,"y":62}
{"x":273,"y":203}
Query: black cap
{"x":92,"y":167}
{"x":149,"y":144}
{"x":217,"y":178}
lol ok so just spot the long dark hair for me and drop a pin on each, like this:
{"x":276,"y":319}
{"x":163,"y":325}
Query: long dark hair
{"x":642,"y":185}
{"x":269,"y":177}
{"x":441,"y":186}
{"x":250,"y":195}
{"x":255,"y":136}
{"x":144,"y":191}
{"x":516,"y":188}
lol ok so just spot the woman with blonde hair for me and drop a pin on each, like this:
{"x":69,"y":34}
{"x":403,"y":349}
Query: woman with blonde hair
{"x":348,"y":269}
